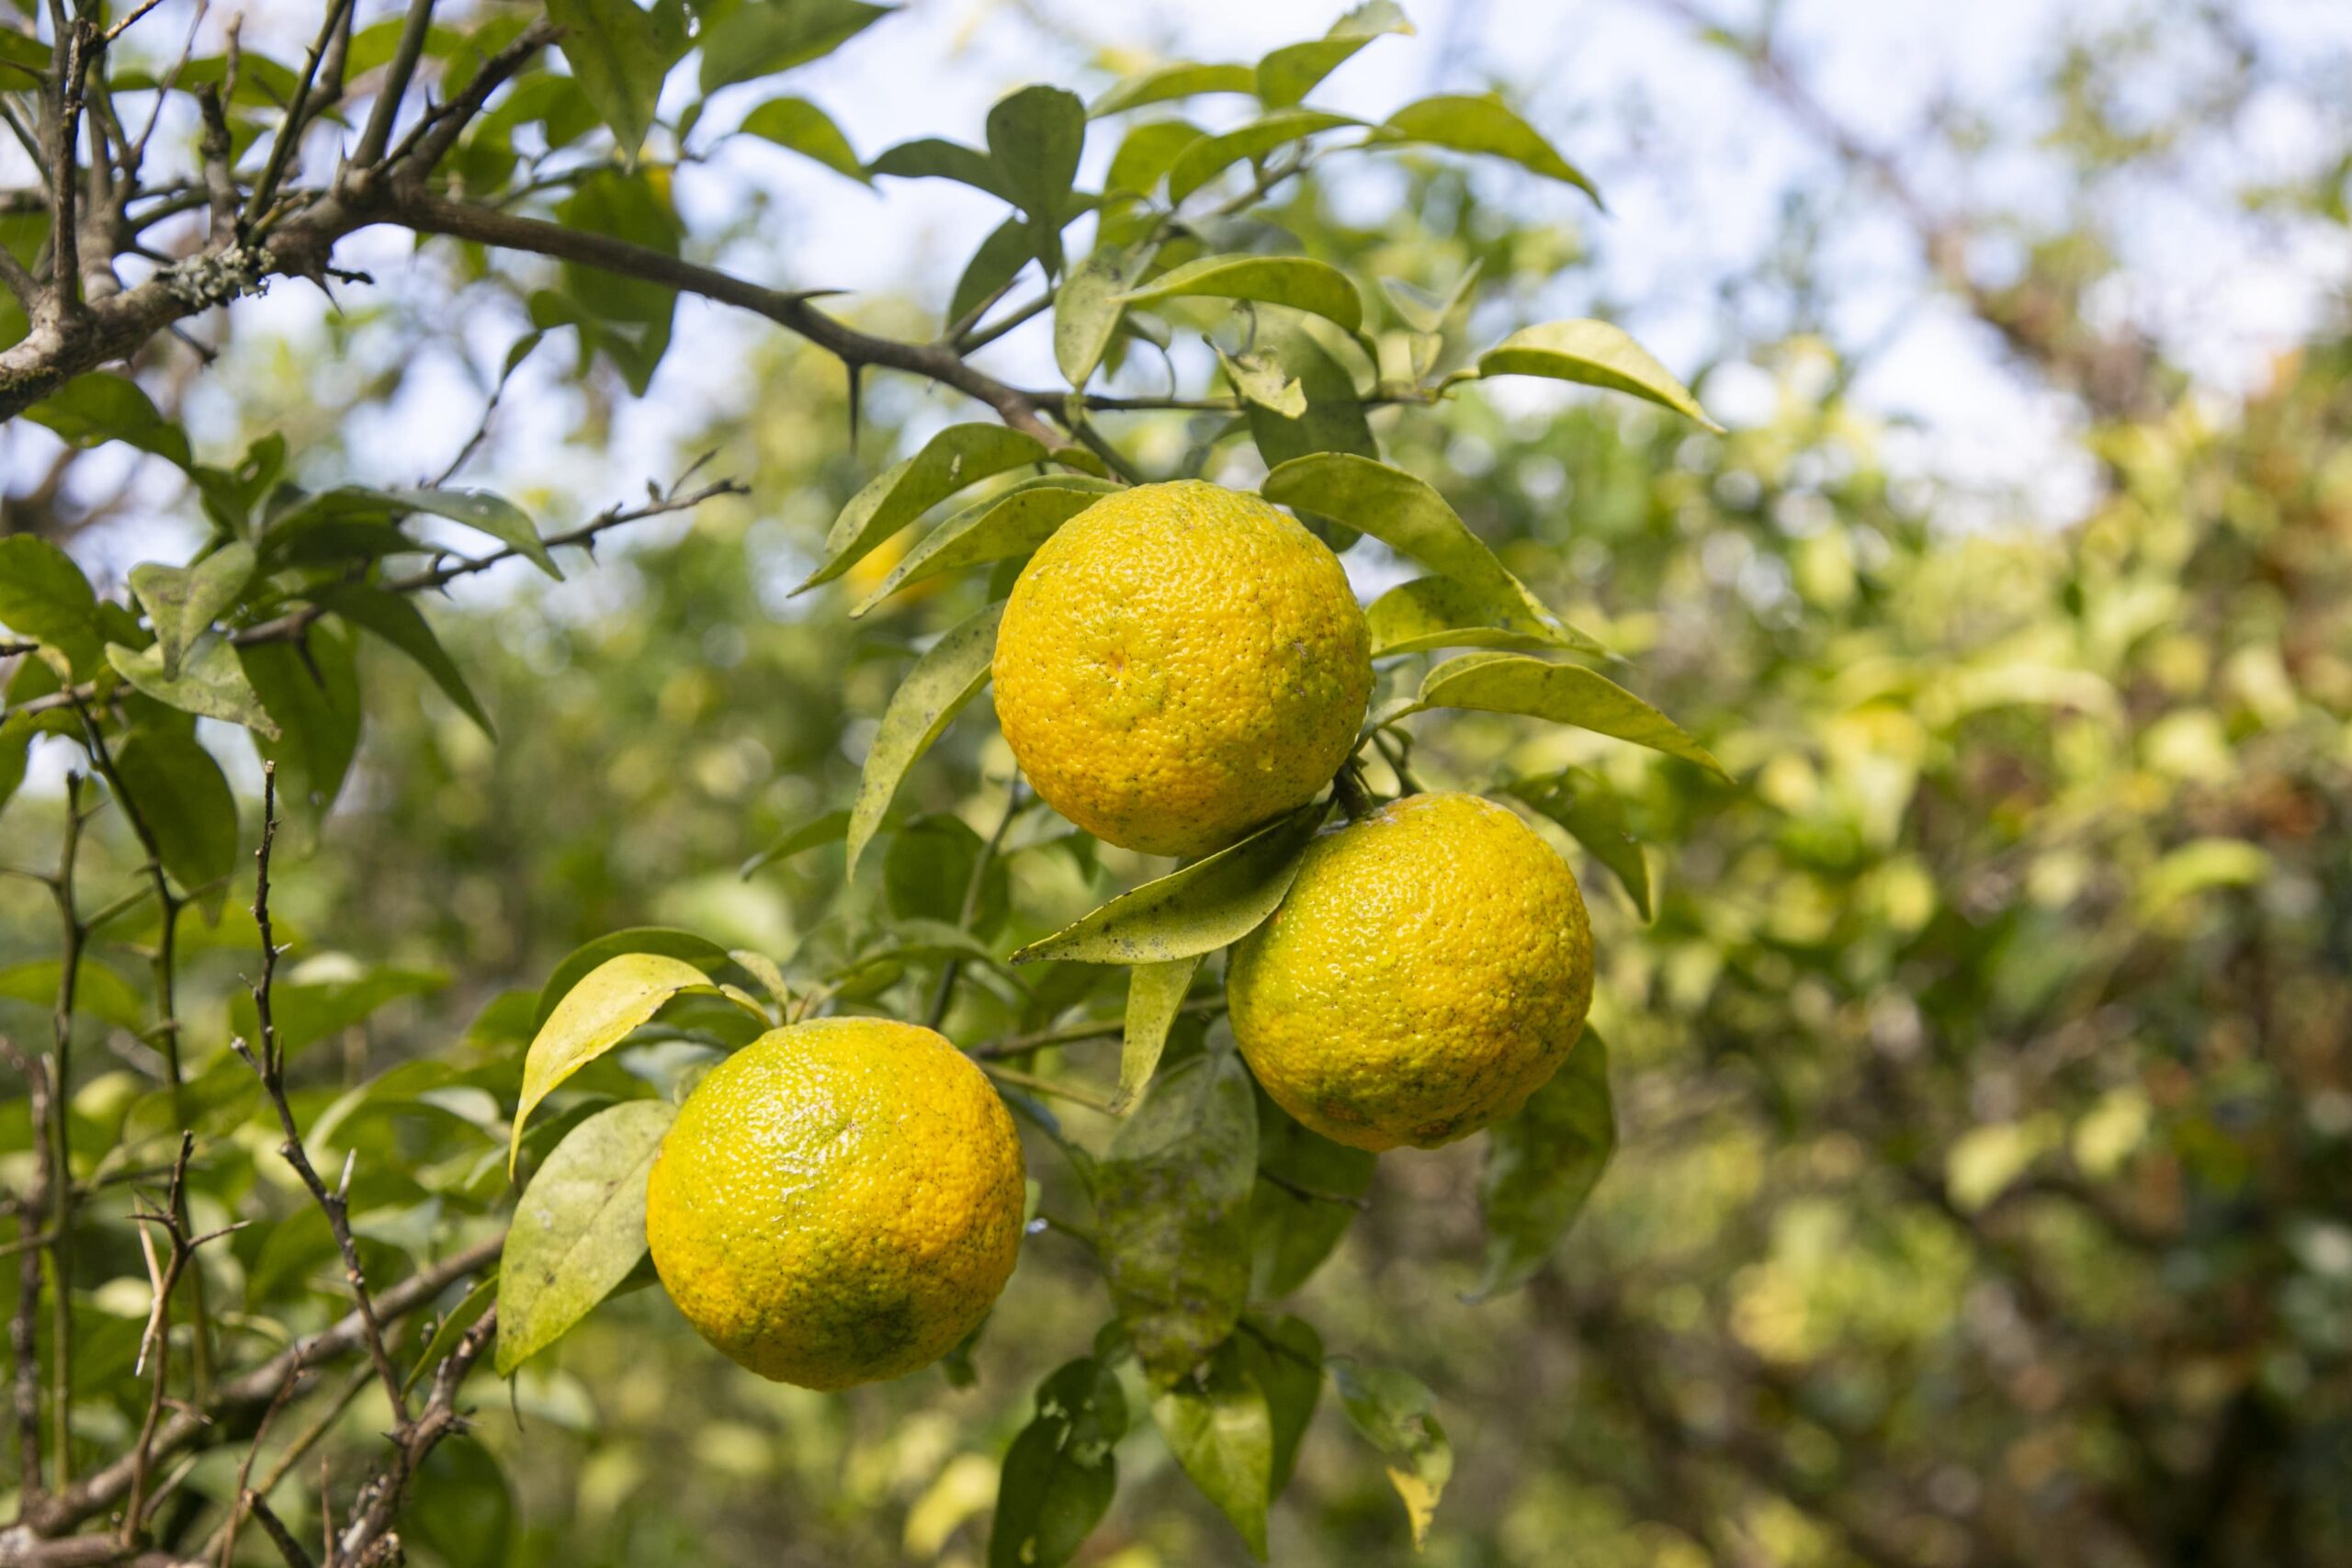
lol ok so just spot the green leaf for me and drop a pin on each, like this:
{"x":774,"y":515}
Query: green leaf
{"x":595,"y":1016}
{"x":44,"y":596}
{"x":1593,"y":354}
{"x":211,"y":683}
{"x":934,"y":158}
{"x":1334,"y":419}
{"x":1290,"y":1371}
{"x":995,"y":264}
{"x":305,"y":1012}
{"x":579,"y":1229}
{"x":395,"y":619}
{"x":469,"y":1523}
{"x":1155,"y":992}
{"x":1145,"y":152}
{"x":929,"y":870}
{"x":1087,"y":309}
{"x":1304,"y":1200}
{"x":17,"y":732}
{"x":1059,"y":1474}
{"x":1212,"y":156}
{"x":1217,"y":1424}
{"x":1484,"y":124}
{"x":1542,"y":1166}
{"x":312,"y":691}
{"x":1581,"y":801}
{"x":1009,"y":523}
{"x":1411,"y":518}
{"x":1565,"y":693}
{"x":761,"y":38}
{"x":825,"y":829}
{"x":1290,"y":72}
{"x":1438,"y":611}
{"x":1172,"y":1196}
{"x":666,"y":942}
{"x":619,"y":60}
{"x":492,"y":514}
{"x":802,"y":126}
{"x":1215,"y":900}
{"x":1299,"y":282}
{"x":1396,"y":1414}
{"x":959,"y":456}
{"x":186,"y":803}
{"x":627,"y":319}
{"x":182,"y":603}
{"x":98,"y":992}
{"x":1179,"y":80}
{"x":934,"y":692}
{"x":1036,"y":136}
{"x":101,"y":407}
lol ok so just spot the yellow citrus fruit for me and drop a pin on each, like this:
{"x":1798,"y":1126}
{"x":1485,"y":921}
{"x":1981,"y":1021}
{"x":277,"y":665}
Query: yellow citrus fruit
{"x":837,"y":1202}
{"x":1428,"y":970}
{"x":1178,"y":663}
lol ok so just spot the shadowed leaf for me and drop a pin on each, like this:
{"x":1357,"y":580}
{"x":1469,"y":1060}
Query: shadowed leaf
{"x":1581,"y":801}
{"x":1542,"y":1166}
{"x":1216,"y":1422}
{"x":1172,"y":1196}
{"x":1060,"y":1473}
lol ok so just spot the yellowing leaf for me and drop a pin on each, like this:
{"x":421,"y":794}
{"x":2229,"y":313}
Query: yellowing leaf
{"x":595,"y":1016}
{"x":1396,"y":1414}
{"x":1299,"y":282}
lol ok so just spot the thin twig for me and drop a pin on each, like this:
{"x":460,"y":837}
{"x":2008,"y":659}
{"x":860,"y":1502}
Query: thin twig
{"x":975,"y":887}
{"x":269,"y":1063}
{"x":378,"y":136}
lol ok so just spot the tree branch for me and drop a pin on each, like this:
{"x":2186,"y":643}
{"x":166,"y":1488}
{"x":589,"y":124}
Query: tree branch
{"x":268,"y":1062}
{"x":415,"y":207}
{"x":55,"y":1514}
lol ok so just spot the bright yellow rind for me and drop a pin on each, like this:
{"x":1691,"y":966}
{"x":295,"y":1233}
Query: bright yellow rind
{"x":1178,"y":663}
{"x":837,"y":1203}
{"x":1427,"y":972}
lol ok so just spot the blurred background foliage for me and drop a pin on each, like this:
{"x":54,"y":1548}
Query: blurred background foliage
{"x":1983,"y":1193}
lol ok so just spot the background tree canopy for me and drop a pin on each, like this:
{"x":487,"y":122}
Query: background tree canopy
{"x":1964,"y":1179}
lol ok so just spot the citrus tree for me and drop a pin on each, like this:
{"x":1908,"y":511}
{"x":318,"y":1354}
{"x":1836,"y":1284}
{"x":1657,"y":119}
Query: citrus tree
{"x":820,"y":1146}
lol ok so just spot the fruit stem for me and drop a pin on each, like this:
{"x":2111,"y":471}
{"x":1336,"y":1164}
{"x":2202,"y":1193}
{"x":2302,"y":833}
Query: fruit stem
{"x":1348,"y":789}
